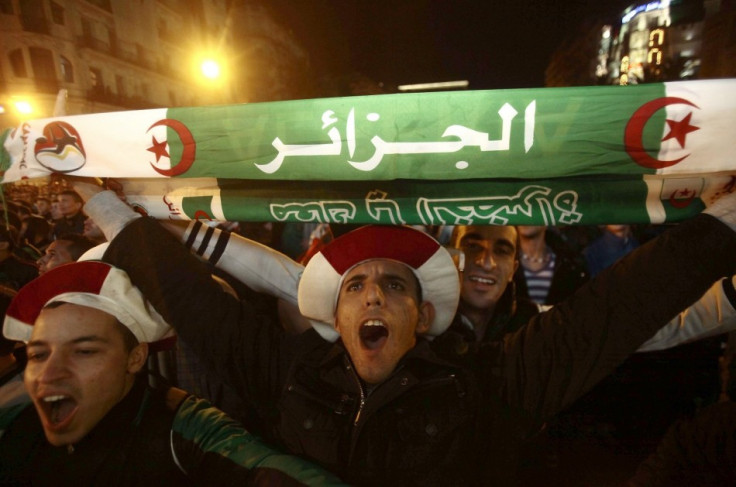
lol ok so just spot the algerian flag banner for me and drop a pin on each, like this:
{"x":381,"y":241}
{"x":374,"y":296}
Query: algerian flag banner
{"x":647,"y":153}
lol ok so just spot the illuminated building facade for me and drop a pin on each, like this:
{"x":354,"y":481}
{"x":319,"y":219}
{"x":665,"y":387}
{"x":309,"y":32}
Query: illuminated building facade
{"x":108,"y":55}
{"x":655,"y":41}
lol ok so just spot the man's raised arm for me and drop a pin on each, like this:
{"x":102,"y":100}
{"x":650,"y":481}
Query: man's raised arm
{"x":562,"y":353}
{"x":228,"y":335}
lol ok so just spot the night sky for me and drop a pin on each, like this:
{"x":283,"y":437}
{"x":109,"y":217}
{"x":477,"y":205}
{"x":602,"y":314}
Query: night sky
{"x":492,"y":44}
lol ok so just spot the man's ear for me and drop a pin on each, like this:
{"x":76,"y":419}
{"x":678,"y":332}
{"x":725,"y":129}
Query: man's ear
{"x":336,"y":324}
{"x":426,"y":317}
{"x":137,"y":358}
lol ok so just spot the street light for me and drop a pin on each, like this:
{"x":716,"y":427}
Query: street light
{"x":210,"y":69}
{"x":23,"y":106}
{"x":15,"y":109}
{"x":210,"y":75}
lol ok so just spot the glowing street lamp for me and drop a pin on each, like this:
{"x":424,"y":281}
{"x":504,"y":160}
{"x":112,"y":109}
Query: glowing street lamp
{"x":210,"y":69}
{"x":23,"y":106}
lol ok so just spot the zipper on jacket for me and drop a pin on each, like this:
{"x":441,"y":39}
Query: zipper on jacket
{"x":354,"y":432}
{"x":362,"y":396}
{"x":429,"y":384}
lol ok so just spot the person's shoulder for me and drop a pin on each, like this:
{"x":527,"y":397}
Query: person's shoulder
{"x":9,"y":413}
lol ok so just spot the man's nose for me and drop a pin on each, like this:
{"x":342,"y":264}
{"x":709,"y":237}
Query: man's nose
{"x":53,"y":369}
{"x":373,"y":295}
{"x":485,"y":259}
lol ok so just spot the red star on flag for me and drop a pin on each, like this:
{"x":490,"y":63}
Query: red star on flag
{"x":159,"y":148}
{"x":679,"y":130}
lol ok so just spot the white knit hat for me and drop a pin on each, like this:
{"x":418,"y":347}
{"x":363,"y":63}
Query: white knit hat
{"x":93,"y":284}
{"x":320,"y":283}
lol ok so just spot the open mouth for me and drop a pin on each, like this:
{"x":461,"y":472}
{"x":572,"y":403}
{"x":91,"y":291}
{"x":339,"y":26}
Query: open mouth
{"x":373,"y":334}
{"x":58,"y":409}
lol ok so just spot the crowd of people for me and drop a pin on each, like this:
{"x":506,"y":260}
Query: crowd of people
{"x":368,"y":355}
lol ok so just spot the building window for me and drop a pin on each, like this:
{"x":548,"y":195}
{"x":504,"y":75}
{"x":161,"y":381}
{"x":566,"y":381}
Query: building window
{"x":32,"y":16}
{"x":95,"y":79}
{"x":6,"y":7}
{"x":67,"y":71}
{"x":18,"y":63}
{"x":42,"y":61}
{"x":57,"y":13}
{"x":44,"y":69}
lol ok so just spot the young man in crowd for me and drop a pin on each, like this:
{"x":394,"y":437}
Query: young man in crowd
{"x":95,"y":420}
{"x":68,"y":247}
{"x":548,"y":271}
{"x":43,"y":207}
{"x":72,"y":216}
{"x":381,"y":405}
{"x":615,"y":242}
{"x":490,"y":308}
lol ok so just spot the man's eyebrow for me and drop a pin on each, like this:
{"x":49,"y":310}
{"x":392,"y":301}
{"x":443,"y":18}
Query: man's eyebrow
{"x":471,"y":236}
{"x":35,"y":343}
{"x":353,"y":278}
{"x":395,"y":277}
{"x":89,"y":338}
{"x":78,"y":340}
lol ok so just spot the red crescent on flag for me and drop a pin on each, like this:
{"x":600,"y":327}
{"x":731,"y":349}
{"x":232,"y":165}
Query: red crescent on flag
{"x":187,"y":142}
{"x":635,"y":128}
{"x":681,"y":202}
{"x":202,"y":215}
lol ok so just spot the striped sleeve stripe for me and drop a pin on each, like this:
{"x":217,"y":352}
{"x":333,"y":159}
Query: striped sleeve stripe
{"x":207,"y":242}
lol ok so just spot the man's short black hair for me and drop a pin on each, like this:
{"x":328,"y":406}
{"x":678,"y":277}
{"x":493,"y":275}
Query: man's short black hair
{"x":73,"y":194}
{"x":79,"y":244}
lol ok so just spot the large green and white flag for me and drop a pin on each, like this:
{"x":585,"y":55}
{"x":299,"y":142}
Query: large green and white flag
{"x":656,"y":152}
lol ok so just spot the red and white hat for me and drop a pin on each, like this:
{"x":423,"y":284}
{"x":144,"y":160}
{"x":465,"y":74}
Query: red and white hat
{"x":320,"y":283}
{"x":94,"y":284}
